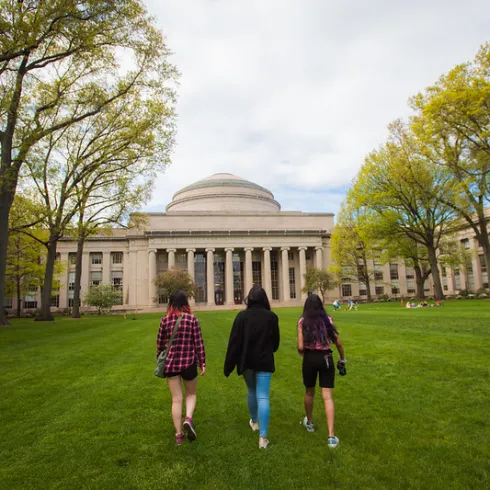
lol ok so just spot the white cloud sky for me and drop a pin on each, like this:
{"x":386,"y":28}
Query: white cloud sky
{"x":292,"y":94}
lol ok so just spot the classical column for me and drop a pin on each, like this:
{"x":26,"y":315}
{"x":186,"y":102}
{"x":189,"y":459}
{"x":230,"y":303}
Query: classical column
{"x":302,"y":271}
{"x":248,"y":283}
{"x":132,"y":278}
{"x":190,"y":268}
{"x":210,"y":275}
{"x":126,"y":274}
{"x":152,"y":274}
{"x":106,"y":267}
{"x":286,"y":291}
{"x":190,"y":261}
{"x":267,"y":272}
{"x":171,"y":257}
{"x":477,"y":275}
{"x":229,"y":296}
{"x":84,"y":279}
{"x":319,"y":257}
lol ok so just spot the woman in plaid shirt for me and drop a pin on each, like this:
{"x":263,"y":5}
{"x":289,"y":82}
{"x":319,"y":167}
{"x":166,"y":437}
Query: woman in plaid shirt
{"x":184,"y":356}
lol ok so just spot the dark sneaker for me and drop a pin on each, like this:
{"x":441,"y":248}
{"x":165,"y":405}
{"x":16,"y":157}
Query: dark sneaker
{"x":189,"y":429}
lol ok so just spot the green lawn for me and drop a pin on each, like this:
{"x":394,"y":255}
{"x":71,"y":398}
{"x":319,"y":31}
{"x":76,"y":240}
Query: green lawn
{"x":80,"y":407}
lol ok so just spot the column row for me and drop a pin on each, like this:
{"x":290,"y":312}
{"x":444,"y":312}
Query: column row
{"x":247,"y":280}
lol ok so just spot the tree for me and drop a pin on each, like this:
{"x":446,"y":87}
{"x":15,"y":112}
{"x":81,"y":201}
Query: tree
{"x":59,"y":65}
{"x":98,"y":171}
{"x":319,"y":280}
{"x":399,"y":183}
{"x":173,"y":279}
{"x":352,"y":246}
{"x":103,"y":296}
{"x":453,"y":119}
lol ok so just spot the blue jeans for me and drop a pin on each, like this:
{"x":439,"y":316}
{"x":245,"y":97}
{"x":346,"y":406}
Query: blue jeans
{"x":258,"y":386}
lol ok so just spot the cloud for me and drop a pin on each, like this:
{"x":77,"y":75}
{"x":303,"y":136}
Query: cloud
{"x":293,"y":94}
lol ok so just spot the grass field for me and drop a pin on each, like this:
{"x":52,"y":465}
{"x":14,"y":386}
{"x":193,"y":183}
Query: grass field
{"x":80,"y":407}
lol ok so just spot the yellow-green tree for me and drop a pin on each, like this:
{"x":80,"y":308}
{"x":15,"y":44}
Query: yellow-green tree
{"x":319,"y":280}
{"x":453,"y":121}
{"x":60,"y":63}
{"x":401,"y":185}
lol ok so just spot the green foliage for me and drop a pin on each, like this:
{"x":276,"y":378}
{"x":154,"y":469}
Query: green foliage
{"x":173,"y":279}
{"x":319,"y":280}
{"x":103,"y":296}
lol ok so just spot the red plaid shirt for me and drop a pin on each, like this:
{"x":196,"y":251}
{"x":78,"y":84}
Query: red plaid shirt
{"x":187,"y":347}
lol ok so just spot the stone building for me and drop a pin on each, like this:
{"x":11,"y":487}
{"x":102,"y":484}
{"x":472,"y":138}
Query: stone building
{"x":230,"y":233}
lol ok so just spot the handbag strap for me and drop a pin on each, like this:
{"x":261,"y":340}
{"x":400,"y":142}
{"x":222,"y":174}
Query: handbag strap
{"x":174,"y":331}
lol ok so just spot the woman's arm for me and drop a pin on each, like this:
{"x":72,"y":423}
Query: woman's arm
{"x":161,"y":339}
{"x":301,"y":345}
{"x":199,"y":345}
{"x":275,"y":334}
{"x":234,"y":347}
{"x":340,"y":348}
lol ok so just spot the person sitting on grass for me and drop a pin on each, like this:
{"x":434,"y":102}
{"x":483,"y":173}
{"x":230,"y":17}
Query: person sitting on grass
{"x":254,"y":338}
{"x":186,"y":353}
{"x":336,"y":305}
{"x":316,"y":333}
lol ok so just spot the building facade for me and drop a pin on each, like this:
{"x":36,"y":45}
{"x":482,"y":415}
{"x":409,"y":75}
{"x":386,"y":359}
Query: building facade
{"x":230,"y":234}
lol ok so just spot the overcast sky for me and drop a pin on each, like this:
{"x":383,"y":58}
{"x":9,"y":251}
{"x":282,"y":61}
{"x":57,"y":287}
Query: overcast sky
{"x":292,"y":94}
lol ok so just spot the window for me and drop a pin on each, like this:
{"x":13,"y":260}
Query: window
{"x":346,"y":290}
{"x":181,"y":261}
{"x":457,"y":279}
{"x":55,"y":299}
{"x":308,"y":256}
{"x":72,"y":258}
{"x":71,"y":288}
{"x":290,"y":256}
{"x":274,"y":275}
{"x":393,"y":271}
{"x":362,"y":292}
{"x":30,"y":300}
{"x":95,"y":278}
{"x":257,"y":273}
{"x":378,"y":276}
{"x":379,"y":290}
{"x":409,"y":272}
{"x":96,"y":258}
{"x":117,"y":284}
{"x":292,"y":283}
{"x":465,"y":244}
{"x":483,"y":263}
{"x":395,"y":290}
{"x":117,"y":257}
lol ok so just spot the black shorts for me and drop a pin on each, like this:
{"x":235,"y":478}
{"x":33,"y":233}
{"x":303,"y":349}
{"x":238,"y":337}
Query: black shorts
{"x":188,"y":374}
{"x":315,"y":362}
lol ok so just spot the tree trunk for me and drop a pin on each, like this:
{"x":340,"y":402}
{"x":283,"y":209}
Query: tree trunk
{"x":484,"y":241}
{"x":438,"y":293}
{"x":18,"y":297}
{"x":6,"y":199}
{"x":419,"y":281}
{"x":45,"y":311}
{"x":78,"y":278}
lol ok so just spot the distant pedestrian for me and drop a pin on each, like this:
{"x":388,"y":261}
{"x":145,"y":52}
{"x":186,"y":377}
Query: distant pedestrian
{"x":253,"y":340}
{"x":316,"y":333}
{"x":185,"y":355}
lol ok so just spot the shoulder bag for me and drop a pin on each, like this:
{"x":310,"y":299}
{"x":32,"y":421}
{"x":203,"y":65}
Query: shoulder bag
{"x":162,"y":357}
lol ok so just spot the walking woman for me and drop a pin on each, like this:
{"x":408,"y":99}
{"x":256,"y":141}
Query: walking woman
{"x":253,"y":340}
{"x":316,"y":333}
{"x":186,"y":353}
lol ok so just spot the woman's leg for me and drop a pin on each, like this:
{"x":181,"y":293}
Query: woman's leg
{"x":190,"y":397}
{"x":175,"y":386}
{"x":249,"y":377}
{"x":329,"y":410}
{"x":309,"y":399}
{"x":263,"y":389}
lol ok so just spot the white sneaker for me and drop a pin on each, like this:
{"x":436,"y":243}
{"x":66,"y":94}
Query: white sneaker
{"x":263,"y":443}
{"x":253,"y":425}
{"x":308,"y":426}
{"x":333,"y":441}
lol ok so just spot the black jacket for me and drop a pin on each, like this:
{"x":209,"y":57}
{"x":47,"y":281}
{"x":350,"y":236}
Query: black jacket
{"x":253,"y":340}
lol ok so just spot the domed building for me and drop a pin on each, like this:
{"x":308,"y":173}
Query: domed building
{"x":228,"y":232}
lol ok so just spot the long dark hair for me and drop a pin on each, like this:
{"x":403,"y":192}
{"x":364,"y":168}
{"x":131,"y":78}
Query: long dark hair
{"x":257,"y":297}
{"x":178,"y":303}
{"x":317,"y":327}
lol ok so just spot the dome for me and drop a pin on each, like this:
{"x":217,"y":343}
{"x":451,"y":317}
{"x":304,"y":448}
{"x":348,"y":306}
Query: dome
{"x":224,"y":192}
